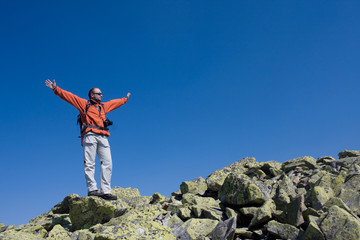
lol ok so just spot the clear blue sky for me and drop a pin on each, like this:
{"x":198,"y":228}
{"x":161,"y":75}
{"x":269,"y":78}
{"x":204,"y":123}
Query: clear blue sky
{"x":211,"y":82}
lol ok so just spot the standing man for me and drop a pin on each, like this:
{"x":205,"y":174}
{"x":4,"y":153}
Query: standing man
{"x":94,"y":135}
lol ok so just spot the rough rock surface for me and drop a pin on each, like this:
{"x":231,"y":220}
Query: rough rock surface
{"x":302,"y":198}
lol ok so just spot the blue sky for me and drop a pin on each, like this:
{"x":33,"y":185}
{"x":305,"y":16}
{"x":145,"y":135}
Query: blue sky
{"x":211,"y":81}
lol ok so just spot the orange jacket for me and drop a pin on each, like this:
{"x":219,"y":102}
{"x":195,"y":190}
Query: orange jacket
{"x":93,"y":117}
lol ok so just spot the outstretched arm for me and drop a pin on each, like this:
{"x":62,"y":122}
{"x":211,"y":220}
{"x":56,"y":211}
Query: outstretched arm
{"x":71,"y":98}
{"x":49,"y":84}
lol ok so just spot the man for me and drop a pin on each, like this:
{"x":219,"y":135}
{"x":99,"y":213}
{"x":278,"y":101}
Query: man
{"x":94,"y":135}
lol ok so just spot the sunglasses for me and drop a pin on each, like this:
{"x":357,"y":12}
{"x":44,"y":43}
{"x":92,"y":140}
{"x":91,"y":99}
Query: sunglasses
{"x":98,"y":93}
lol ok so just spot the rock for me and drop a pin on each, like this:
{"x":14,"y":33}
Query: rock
{"x":63,"y":220}
{"x":244,"y":233}
{"x":293,"y":212}
{"x":196,"y":186}
{"x":339,"y":224}
{"x":334,"y":201}
{"x":216,"y":179}
{"x":313,"y":232}
{"x":174,"y":222}
{"x":304,"y":163}
{"x":263,"y":214}
{"x":138,"y":223}
{"x":271,"y":168}
{"x":195,"y":229}
{"x":224,"y":230}
{"x":15,"y":235}
{"x":230,"y":213}
{"x":320,"y":195}
{"x":348,"y":153}
{"x":59,"y":233}
{"x":285,"y":192}
{"x":84,"y":234}
{"x":63,"y":207}
{"x":88,"y":211}
{"x":284,"y":231}
{"x":133,"y":230}
{"x":238,"y":189}
{"x":350,"y":193}
{"x":157,"y":198}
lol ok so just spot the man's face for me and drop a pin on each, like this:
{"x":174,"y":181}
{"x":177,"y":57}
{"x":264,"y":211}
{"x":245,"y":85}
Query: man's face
{"x":96,"y":95}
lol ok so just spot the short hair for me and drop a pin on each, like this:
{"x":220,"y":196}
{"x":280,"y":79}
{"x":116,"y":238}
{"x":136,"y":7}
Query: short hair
{"x":91,"y":90}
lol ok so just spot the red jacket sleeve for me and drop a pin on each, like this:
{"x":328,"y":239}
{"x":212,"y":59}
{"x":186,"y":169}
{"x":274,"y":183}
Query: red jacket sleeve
{"x":114,"y":104}
{"x":71,"y":98}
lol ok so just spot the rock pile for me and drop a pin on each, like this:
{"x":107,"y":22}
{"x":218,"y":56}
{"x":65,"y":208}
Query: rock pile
{"x":302,"y":198}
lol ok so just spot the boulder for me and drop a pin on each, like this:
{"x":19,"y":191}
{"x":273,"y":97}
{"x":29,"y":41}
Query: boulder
{"x":284,"y":231}
{"x":313,"y":232}
{"x":16,"y":235}
{"x":304,"y":163}
{"x":84,"y":234}
{"x":339,"y":224}
{"x":238,"y":189}
{"x":59,"y":233}
{"x":196,"y":186}
{"x":224,"y":230}
{"x":216,"y":179}
{"x":285,"y":192}
{"x":195,"y":228}
{"x":138,"y":222}
{"x":263,"y":214}
{"x":348,"y":153}
{"x":350,"y":193}
{"x":88,"y":211}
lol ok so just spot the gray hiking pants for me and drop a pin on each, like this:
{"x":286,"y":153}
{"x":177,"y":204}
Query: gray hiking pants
{"x":97,"y":144}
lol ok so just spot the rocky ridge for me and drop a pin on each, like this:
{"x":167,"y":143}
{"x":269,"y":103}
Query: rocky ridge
{"x":302,"y":198}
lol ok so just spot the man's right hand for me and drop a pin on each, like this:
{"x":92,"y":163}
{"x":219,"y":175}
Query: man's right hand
{"x":50,"y":84}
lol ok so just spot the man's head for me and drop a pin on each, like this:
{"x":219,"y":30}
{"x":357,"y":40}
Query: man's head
{"x":95,"y":94}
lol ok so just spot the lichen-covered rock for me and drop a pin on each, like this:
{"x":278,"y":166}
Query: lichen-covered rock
{"x":84,"y":234}
{"x":263,"y":214}
{"x":350,"y":193}
{"x":285,"y":192}
{"x":196,"y":186}
{"x":238,"y":189}
{"x":244,"y":233}
{"x":348,"y":153}
{"x":216,"y":179}
{"x":313,"y":232}
{"x":35,"y":230}
{"x":15,"y":235}
{"x":225,"y":230}
{"x":271,"y":168}
{"x":133,"y":230}
{"x":157,"y":198}
{"x":45,"y":220}
{"x":320,"y":195}
{"x":138,"y":223}
{"x":64,"y":206}
{"x":284,"y":231}
{"x":304,"y":163}
{"x":174,"y":222}
{"x":62,"y":219}
{"x":293,"y":212}
{"x":339,"y":224}
{"x":335,"y":201}
{"x":88,"y":211}
{"x":59,"y":233}
{"x":195,"y":228}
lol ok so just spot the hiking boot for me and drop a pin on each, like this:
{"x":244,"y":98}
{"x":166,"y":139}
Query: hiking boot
{"x":108,"y":196}
{"x":95,"y":193}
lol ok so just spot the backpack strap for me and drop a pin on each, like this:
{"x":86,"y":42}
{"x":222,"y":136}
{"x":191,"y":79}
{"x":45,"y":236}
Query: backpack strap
{"x":84,"y":126}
